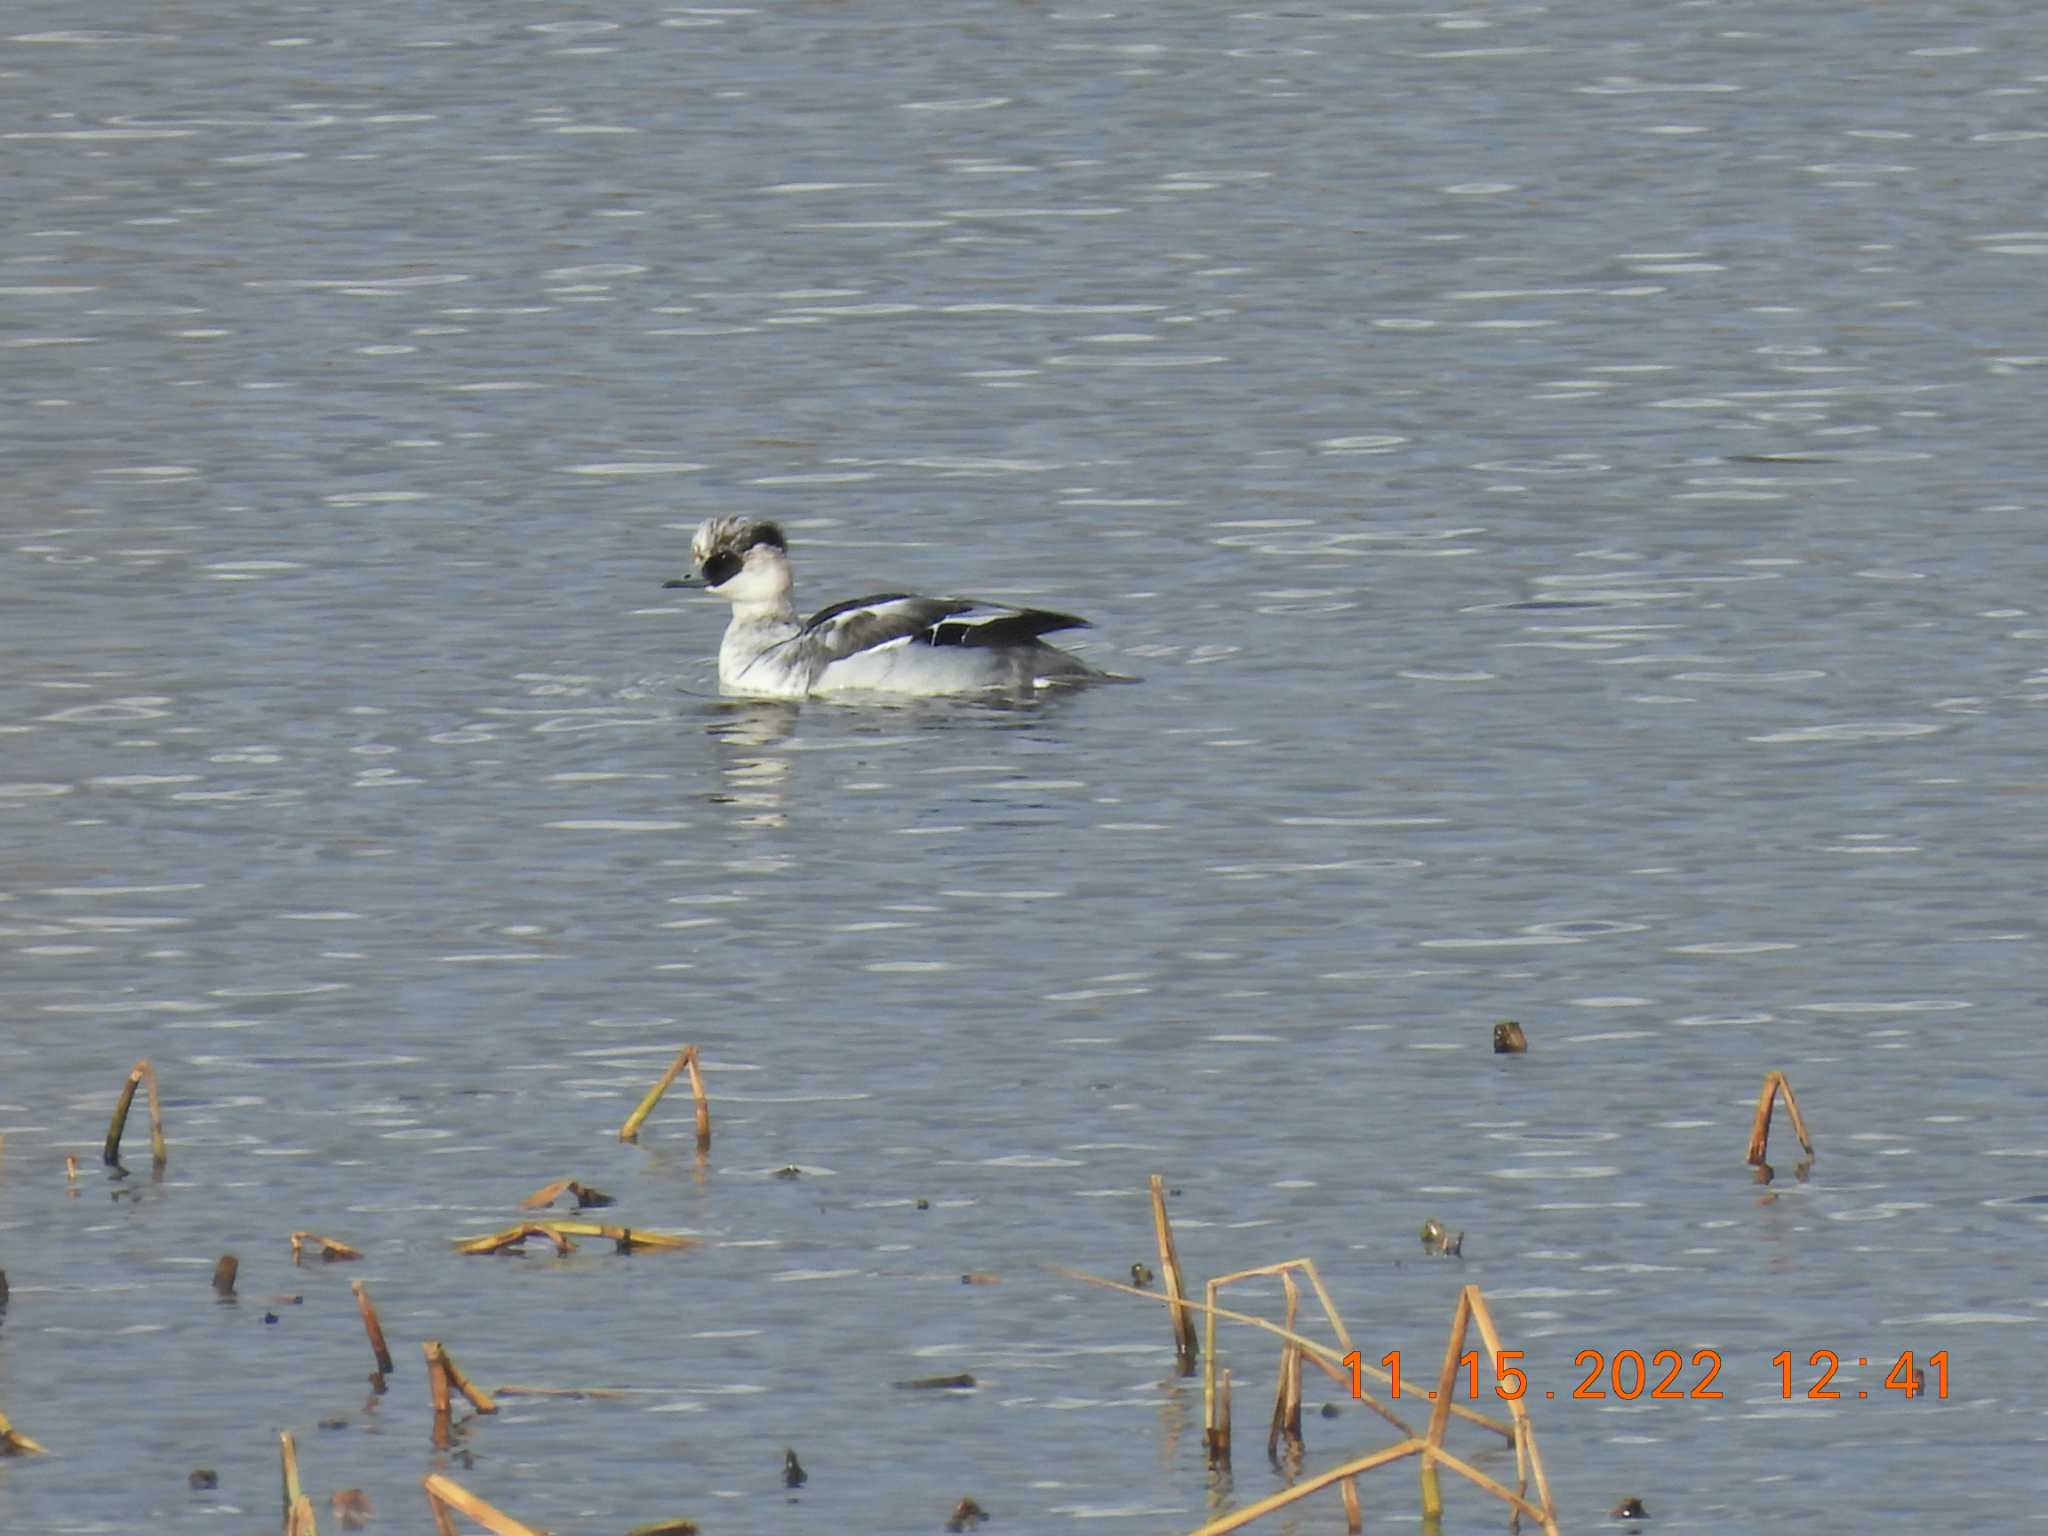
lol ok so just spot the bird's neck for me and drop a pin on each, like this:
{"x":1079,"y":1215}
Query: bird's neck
{"x":763,"y":612}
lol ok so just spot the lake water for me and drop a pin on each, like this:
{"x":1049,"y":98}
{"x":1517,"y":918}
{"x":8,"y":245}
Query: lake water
{"x":1570,"y":479}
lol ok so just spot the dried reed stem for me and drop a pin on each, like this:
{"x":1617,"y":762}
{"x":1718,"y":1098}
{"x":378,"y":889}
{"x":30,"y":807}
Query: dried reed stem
{"x":445,"y":1491}
{"x":547,"y":1194}
{"x":512,"y":1237}
{"x":443,"y":1372}
{"x":437,"y":1376}
{"x":1322,"y":1356}
{"x":372,"y":1327}
{"x":110,"y":1153}
{"x":1210,"y":1312}
{"x":1472,"y":1308}
{"x":1287,"y":1396}
{"x":1354,"y":1517}
{"x":628,"y":1238}
{"x":298,"y":1509}
{"x":1219,"y":1438}
{"x":703,"y":1102}
{"x":1239,"y":1518}
{"x":1176,"y":1286}
{"x":686,"y":1057}
{"x":1429,"y":1446}
{"x":1760,"y":1127}
{"x":443,"y":1526}
{"x":1528,"y":1460}
{"x":14,"y":1443}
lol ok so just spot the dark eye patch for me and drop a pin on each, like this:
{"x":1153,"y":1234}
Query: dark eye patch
{"x":721,"y":568}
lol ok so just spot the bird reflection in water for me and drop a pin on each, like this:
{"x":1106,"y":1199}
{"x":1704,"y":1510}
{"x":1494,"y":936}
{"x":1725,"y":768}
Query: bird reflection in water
{"x":746,"y":731}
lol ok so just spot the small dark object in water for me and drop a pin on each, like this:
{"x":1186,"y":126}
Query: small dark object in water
{"x":270,"y":1317}
{"x":980,"y":1277}
{"x":1629,"y":1509}
{"x":1141,"y":1276}
{"x":1436,"y":1239}
{"x":789,"y":1171}
{"x":793,"y":1473}
{"x":334,"y":1423}
{"x":224,"y":1275}
{"x":966,"y":1516}
{"x":1508,"y":1039}
{"x":935,"y":1383}
{"x":3,"y":1290}
{"x":1331,"y":1410}
{"x":924,"y":1205}
{"x":202,"y":1479}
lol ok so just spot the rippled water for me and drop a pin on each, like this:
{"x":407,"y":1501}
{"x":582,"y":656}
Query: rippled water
{"x":1569,"y":478}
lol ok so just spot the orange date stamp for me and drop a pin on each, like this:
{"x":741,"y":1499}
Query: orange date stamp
{"x":1666,"y":1375}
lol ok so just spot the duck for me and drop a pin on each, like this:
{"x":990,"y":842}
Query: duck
{"x":894,"y":642}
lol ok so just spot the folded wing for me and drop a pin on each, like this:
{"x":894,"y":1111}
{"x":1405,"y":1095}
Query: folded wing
{"x":844,"y":629}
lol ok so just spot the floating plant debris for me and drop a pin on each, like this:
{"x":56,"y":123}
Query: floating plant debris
{"x":627,"y":1238}
{"x":548,"y":1194}
{"x":332,"y":1249}
{"x":513,"y":1237}
{"x":1437,"y":1239}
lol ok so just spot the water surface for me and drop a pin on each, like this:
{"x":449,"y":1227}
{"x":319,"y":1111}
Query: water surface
{"x":1567,"y":478}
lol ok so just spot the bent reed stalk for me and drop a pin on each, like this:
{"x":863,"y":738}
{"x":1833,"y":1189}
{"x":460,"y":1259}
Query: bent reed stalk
{"x":110,"y":1151}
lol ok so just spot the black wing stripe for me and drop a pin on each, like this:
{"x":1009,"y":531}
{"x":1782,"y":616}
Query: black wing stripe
{"x":1009,"y":627}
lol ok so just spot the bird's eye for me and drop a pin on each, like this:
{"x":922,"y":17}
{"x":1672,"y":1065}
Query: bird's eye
{"x":721,"y":568}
